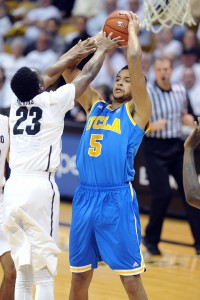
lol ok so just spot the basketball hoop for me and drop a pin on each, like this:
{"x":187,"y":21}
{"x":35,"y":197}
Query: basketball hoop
{"x":166,"y":13}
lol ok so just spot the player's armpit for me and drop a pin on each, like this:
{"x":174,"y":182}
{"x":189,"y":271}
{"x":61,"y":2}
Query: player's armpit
{"x":88,"y":98}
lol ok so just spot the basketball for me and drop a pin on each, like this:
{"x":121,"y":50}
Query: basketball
{"x":117,"y":22}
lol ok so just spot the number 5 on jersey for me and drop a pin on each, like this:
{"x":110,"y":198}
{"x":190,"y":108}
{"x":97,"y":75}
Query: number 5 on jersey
{"x":95,"y":146}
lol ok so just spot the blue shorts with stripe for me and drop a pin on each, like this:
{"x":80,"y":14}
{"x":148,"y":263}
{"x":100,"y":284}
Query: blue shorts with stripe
{"x":105,"y":228}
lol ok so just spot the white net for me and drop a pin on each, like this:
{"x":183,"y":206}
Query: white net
{"x":166,"y":13}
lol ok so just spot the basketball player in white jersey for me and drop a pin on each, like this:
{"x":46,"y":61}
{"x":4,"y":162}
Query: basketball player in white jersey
{"x":36,"y":126}
{"x":8,"y":284}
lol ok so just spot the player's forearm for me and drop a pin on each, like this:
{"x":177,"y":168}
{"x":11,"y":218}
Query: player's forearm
{"x":190,"y":179}
{"x":134,"y":49}
{"x":88,"y":73}
{"x":59,"y":67}
{"x":55,"y":71}
{"x":95,"y":63}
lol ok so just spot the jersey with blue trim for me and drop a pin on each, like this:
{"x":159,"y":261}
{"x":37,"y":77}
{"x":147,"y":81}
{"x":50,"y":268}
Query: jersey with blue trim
{"x":108,"y":146}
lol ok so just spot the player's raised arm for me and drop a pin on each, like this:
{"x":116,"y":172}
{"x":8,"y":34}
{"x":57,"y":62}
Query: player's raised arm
{"x":190,"y":178}
{"x":141,"y":103}
{"x":92,"y":68}
{"x":75,"y":54}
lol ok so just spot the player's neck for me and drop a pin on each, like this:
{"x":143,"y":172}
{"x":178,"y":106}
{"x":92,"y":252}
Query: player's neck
{"x":115,"y":105}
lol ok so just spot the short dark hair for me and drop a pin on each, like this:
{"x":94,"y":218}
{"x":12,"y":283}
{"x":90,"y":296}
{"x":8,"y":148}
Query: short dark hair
{"x":124,"y":68}
{"x":25,"y":84}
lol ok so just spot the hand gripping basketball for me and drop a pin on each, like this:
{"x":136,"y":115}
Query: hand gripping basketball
{"x":118,"y":22}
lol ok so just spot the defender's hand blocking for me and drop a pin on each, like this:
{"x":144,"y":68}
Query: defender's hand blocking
{"x":82,"y":49}
{"x":107,"y":43}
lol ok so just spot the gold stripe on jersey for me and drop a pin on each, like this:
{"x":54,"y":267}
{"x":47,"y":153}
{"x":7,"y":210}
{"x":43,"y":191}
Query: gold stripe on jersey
{"x":147,"y":128}
{"x":129,"y":114}
{"x":96,"y":101}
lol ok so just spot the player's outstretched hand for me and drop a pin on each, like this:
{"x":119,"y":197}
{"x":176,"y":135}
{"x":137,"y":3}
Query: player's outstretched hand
{"x":83,"y":48}
{"x":134,"y":22}
{"x":193,"y":139}
{"x":107,"y":43}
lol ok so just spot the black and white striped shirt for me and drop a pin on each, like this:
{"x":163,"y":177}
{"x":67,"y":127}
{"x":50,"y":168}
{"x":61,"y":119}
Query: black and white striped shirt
{"x":169,"y":105}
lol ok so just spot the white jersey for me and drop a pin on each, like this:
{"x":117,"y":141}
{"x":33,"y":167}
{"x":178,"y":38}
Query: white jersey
{"x":4,"y":145}
{"x":36,"y":127}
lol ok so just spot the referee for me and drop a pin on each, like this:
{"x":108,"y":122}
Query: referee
{"x":163,"y":153}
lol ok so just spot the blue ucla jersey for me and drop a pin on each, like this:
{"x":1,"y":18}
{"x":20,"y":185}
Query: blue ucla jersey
{"x":108,"y":146}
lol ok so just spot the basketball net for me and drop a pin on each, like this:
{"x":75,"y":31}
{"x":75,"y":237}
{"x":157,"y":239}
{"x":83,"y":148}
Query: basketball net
{"x":166,"y":13}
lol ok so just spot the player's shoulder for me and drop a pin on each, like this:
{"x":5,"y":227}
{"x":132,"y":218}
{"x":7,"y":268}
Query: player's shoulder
{"x":99,"y":104}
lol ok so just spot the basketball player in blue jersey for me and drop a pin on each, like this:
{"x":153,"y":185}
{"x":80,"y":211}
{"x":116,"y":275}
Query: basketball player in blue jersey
{"x":105,"y":224}
{"x":36,"y":125}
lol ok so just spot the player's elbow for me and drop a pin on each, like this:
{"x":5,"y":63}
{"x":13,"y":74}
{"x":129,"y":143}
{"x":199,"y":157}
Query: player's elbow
{"x":135,"y":54}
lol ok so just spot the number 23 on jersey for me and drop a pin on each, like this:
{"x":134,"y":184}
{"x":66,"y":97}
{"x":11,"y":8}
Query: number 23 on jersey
{"x":34,"y":127}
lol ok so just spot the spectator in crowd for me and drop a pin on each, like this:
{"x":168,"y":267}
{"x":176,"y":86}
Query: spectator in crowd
{"x":190,"y":177}
{"x":42,"y":57}
{"x":35,"y":19}
{"x":16,"y":58}
{"x":5,"y":93}
{"x":189,"y":58}
{"x":81,"y":34}
{"x":57,"y":42}
{"x":94,"y":24}
{"x":193,"y":91}
{"x":167,"y":46}
{"x":87,"y":8}
{"x":190,"y":40}
{"x":163,"y":153}
{"x":5,"y":20}
{"x":147,"y":66}
{"x":65,"y":7}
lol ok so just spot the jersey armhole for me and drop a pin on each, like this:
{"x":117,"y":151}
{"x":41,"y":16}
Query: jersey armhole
{"x":95,"y":102}
{"x":129,"y":114}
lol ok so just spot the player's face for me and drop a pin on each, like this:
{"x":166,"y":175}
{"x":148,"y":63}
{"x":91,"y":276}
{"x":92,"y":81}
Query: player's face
{"x":122,"y":87}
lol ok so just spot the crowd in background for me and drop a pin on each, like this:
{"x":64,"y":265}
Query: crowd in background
{"x":36,"y":33}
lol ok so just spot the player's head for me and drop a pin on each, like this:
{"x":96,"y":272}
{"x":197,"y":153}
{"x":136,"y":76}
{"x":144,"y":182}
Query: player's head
{"x":122,"y":86}
{"x":26,"y":84}
{"x":163,"y":70}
